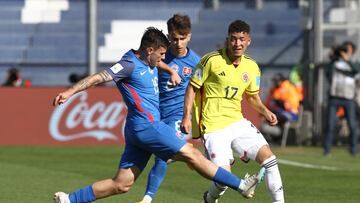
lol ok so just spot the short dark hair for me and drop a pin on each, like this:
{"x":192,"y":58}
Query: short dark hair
{"x":154,"y":38}
{"x":179,"y":23}
{"x":239,"y":26}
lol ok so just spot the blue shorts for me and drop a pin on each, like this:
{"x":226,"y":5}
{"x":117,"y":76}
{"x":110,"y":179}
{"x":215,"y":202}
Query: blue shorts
{"x":145,"y":139}
{"x":174,"y":122}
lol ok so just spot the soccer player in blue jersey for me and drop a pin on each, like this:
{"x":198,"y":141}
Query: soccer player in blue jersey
{"x":136,"y":77}
{"x":179,"y":61}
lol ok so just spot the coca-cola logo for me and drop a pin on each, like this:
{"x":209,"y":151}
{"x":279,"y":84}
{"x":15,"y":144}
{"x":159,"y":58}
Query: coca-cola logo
{"x":96,"y":120}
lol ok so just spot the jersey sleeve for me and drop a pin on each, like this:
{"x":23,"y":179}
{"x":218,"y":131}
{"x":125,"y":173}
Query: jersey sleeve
{"x":254,"y":85}
{"x":201,"y":72}
{"x":121,"y":70}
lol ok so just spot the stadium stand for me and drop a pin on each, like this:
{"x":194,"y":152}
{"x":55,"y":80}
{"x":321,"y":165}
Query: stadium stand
{"x":154,"y":13}
{"x":14,"y":38}
{"x":273,"y":27}
{"x":47,"y":45}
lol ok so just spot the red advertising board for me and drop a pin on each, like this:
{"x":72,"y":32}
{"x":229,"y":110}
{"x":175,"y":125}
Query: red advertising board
{"x":96,"y":116}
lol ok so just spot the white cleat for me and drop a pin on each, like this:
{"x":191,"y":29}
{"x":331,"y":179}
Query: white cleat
{"x":250,"y":193}
{"x":61,"y":197}
{"x":250,"y":185}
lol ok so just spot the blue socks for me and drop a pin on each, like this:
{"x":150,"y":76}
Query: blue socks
{"x":224,"y":177}
{"x":85,"y":194}
{"x":156,"y":176}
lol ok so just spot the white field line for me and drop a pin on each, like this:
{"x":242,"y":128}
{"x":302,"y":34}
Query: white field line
{"x":305,"y":165}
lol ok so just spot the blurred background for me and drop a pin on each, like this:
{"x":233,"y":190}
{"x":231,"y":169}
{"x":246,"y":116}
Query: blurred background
{"x":54,"y":43}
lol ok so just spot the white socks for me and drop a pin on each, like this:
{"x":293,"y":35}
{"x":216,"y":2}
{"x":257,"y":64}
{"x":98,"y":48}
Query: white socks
{"x":273,"y":180}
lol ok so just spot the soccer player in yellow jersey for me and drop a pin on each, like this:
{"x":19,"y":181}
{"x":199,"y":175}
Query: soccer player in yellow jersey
{"x":221,"y":79}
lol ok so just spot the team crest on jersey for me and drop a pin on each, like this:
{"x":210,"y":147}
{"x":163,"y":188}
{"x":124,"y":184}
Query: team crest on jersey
{"x":186,"y":72}
{"x":245,"y":77}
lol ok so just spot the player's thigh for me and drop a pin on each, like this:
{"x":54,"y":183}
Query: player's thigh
{"x":161,"y":140}
{"x":218,"y":147}
{"x":134,"y":156}
{"x":247,"y":139}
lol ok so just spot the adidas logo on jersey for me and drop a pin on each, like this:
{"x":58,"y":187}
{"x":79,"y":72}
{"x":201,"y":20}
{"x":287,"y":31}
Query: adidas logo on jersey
{"x":222,"y":73}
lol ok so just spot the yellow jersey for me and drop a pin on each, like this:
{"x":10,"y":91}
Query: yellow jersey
{"x":222,"y":85}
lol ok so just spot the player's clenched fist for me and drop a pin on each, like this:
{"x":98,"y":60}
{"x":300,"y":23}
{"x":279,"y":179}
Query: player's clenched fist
{"x":61,"y":98}
{"x":271,"y":118}
{"x":185,"y":126}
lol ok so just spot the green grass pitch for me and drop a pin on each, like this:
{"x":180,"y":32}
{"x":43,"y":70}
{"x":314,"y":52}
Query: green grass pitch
{"x":33,"y":174}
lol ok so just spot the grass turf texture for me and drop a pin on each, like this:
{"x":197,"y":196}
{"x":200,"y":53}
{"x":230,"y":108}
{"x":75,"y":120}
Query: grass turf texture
{"x":33,"y":174}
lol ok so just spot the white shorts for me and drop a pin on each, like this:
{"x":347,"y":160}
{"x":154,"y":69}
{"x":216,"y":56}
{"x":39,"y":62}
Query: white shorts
{"x":241,"y":137}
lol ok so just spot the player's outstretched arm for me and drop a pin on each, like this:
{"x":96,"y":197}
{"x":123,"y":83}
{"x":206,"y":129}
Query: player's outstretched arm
{"x":188,"y":104}
{"x":174,"y":76}
{"x":83,"y":84}
{"x":256,"y":103}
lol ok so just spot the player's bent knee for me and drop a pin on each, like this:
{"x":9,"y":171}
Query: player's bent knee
{"x":263,"y":154}
{"x":122,"y":185}
{"x":188,"y":154}
{"x":121,"y":188}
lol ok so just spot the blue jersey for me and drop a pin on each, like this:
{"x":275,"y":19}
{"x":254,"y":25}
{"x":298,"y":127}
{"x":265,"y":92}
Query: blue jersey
{"x":138,"y":84}
{"x":172,"y":98}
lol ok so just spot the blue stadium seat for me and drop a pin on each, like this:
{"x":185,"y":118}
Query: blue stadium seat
{"x":11,"y":3}
{"x":272,"y":28}
{"x":17,"y":39}
{"x":54,"y":54}
{"x":110,"y":10}
{"x":61,"y":39}
{"x":74,"y":15}
{"x":11,"y":54}
{"x":51,"y":75}
{"x":15,"y":27}
{"x":75,"y":27}
{"x":10,"y":14}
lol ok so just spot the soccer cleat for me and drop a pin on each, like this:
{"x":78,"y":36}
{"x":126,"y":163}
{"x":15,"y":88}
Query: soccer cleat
{"x":61,"y":197}
{"x":205,"y":198}
{"x":250,"y":185}
{"x":260,"y":177}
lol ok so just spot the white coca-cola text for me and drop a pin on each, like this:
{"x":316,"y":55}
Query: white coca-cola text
{"x":83,"y":115}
